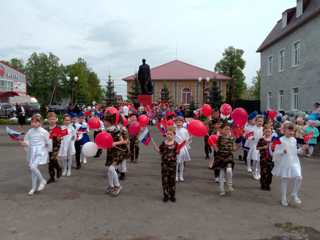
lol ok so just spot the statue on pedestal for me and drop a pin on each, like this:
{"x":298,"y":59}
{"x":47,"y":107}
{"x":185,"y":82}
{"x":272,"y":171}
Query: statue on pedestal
{"x":144,"y":78}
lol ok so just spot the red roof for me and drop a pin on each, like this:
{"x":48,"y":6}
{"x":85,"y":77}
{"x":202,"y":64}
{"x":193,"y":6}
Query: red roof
{"x":5,"y":63}
{"x":178,"y":70}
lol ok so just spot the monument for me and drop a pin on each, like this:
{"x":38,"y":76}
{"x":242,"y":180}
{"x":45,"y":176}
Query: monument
{"x":146,"y":86}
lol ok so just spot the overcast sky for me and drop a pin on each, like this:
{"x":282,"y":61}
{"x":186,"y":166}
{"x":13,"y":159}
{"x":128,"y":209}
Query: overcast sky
{"x":113,"y":36}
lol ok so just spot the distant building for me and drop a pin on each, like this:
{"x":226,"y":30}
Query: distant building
{"x":186,"y":82}
{"x":12,"y":80}
{"x":290,"y":59}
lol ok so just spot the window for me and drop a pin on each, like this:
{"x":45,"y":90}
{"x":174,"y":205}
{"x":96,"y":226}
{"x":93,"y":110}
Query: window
{"x":295,"y":99}
{"x":296,"y":54}
{"x":281,"y":60}
{"x":281,"y":100}
{"x":186,"y":96}
{"x":270,"y":65}
{"x":269,"y":99}
{"x":6,"y":85}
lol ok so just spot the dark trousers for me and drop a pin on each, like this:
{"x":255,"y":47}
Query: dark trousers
{"x":78,"y":147}
{"x":266,"y":174}
{"x":134,"y":151}
{"x":95,"y":133}
{"x":53,"y":165}
{"x":207,"y":149}
{"x":168,"y":173}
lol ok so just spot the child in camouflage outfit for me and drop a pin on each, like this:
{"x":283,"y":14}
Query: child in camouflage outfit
{"x":224,"y":157}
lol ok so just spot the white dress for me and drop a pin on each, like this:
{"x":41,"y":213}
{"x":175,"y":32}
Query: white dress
{"x":287,"y":165}
{"x":181,"y":136}
{"x":67,"y":144}
{"x":37,"y":140}
{"x":253,"y":153}
{"x":249,"y":129}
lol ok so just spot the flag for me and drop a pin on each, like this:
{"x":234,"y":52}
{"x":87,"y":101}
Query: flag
{"x":275,"y":141}
{"x":308,"y":137}
{"x":58,"y":132}
{"x":249,"y":135}
{"x":180,"y":146}
{"x":145,"y":137}
{"x":14,"y":135}
{"x":161,"y":128}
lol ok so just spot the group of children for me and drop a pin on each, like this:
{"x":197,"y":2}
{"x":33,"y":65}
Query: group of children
{"x":266,"y":153}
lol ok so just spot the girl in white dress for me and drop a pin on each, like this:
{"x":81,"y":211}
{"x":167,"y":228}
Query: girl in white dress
{"x":181,"y":136}
{"x":287,"y":164}
{"x":37,"y":142}
{"x":67,"y":149}
{"x":248,"y":131}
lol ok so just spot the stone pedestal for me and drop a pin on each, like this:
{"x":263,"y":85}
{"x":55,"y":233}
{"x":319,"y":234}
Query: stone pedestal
{"x":145,"y":100}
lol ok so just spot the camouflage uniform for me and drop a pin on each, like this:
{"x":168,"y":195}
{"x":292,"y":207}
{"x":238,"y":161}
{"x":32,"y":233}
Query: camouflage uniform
{"x":134,"y":148}
{"x":118,"y":153}
{"x":168,"y":168}
{"x":224,"y":155}
{"x":266,"y":164}
{"x":53,"y":157}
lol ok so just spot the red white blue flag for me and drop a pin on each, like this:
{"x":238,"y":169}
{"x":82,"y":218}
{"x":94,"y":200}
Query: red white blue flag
{"x":145,"y":136}
{"x":14,"y":135}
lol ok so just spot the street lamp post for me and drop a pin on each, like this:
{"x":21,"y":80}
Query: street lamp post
{"x":72,"y":81}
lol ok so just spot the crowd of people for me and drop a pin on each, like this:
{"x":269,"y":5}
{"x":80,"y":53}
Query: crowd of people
{"x":270,"y":146}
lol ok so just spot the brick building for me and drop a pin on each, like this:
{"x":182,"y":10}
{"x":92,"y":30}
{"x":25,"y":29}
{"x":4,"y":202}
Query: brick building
{"x":185,"y":82}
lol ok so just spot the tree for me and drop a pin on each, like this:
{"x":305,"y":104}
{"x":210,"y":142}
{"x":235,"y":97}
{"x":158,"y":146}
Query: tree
{"x":95,"y":93}
{"x":165,"y":94}
{"x":43,"y":73}
{"x":215,"y":98}
{"x":135,"y":90}
{"x":232,"y":64}
{"x":256,"y":85}
{"x":17,"y":64}
{"x":110,"y":97}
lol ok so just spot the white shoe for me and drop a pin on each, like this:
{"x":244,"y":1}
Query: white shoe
{"x":84,"y":160}
{"x":297,"y":200}
{"x":230,"y":188}
{"x":64,"y":173}
{"x":222,"y":193}
{"x":284,"y":203}
{"x":249,"y":170}
{"x":217,"y":180}
{"x":116,"y":192}
{"x":255,"y":176}
{"x":68,"y":173}
{"x":42,"y":186}
{"x":181,"y":179}
{"x":31,"y":192}
{"x":177,"y":179}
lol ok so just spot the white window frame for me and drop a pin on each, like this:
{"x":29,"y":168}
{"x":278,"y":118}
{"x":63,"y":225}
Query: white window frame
{"x":295,"y":99}
{"x":269,"y":100}
{"x":270,"y":66}
{"x":281,"y":100}
{"x":296,"y":55}
{"x":282,"y":60}
{"x":184,"y":96}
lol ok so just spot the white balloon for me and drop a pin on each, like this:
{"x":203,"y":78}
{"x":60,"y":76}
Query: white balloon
{"x":89,"y":149}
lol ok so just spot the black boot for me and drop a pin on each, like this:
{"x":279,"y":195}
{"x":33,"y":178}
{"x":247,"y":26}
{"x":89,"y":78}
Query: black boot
{"x":59,"y":172}
{"x":50,"y":180}
{"x":165,"y":199}
{"x":122,"y":176}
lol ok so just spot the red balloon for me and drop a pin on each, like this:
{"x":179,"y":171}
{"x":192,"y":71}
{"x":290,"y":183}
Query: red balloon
{"x":87,"y":113}
{"x":226,"y":109}
{"x":143,"y":120}
{"x":239,"y":117}
{"x":272,"y":114}
{"x":134,"y":128}
{"x":212,"y":140}
{"x":206,"y":110}
{"x":112,"y":111}
{"x":94,"y":123}
{"x":104,"y":140}
{"x":170,"y":123}
{"x":197,"y":128}
{"x":237,"y":131}
{"x":124,"y":121}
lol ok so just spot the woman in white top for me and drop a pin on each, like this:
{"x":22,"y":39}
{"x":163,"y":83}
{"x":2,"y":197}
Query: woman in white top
{"x":37,"y":142}
{"x":287,"y":164}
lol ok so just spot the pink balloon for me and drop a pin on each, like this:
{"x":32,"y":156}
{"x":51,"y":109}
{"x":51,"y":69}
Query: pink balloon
{"x":239,"y":117}
{"x":197,"y":128}
{"x":226,"y":109}
{"x":212,"y":140}
{"x":206,"y":110}
{"x":272,"y":114}
{"x":94,"y":123}
{"x":143,"y":120}
{"x":134,"y":128}
{"x":104,"y":140}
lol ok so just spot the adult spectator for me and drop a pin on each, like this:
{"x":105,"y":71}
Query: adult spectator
{"x":21,"y":113}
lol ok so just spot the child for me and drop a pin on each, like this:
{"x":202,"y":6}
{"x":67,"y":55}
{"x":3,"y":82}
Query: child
{"x":168,"y":151}
{"x":224,"y":158}
{"x":54,"y":166}
{"x":37,"y":142}
{"x":82,"y":138}
{"x":115,"y":155}
{"x":182,"y":137}
{"x":67,"y":147}
{"x":287,"y":164}
{"x":134,"y":141}
{"x":266,"y":162}
{"x":311,"y":127}
{"x":216,"y":131}
{"x":124,"y":152}
{"x":253,"y":154}
{"x":248,"y":132}
{"x":300,"y":131}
